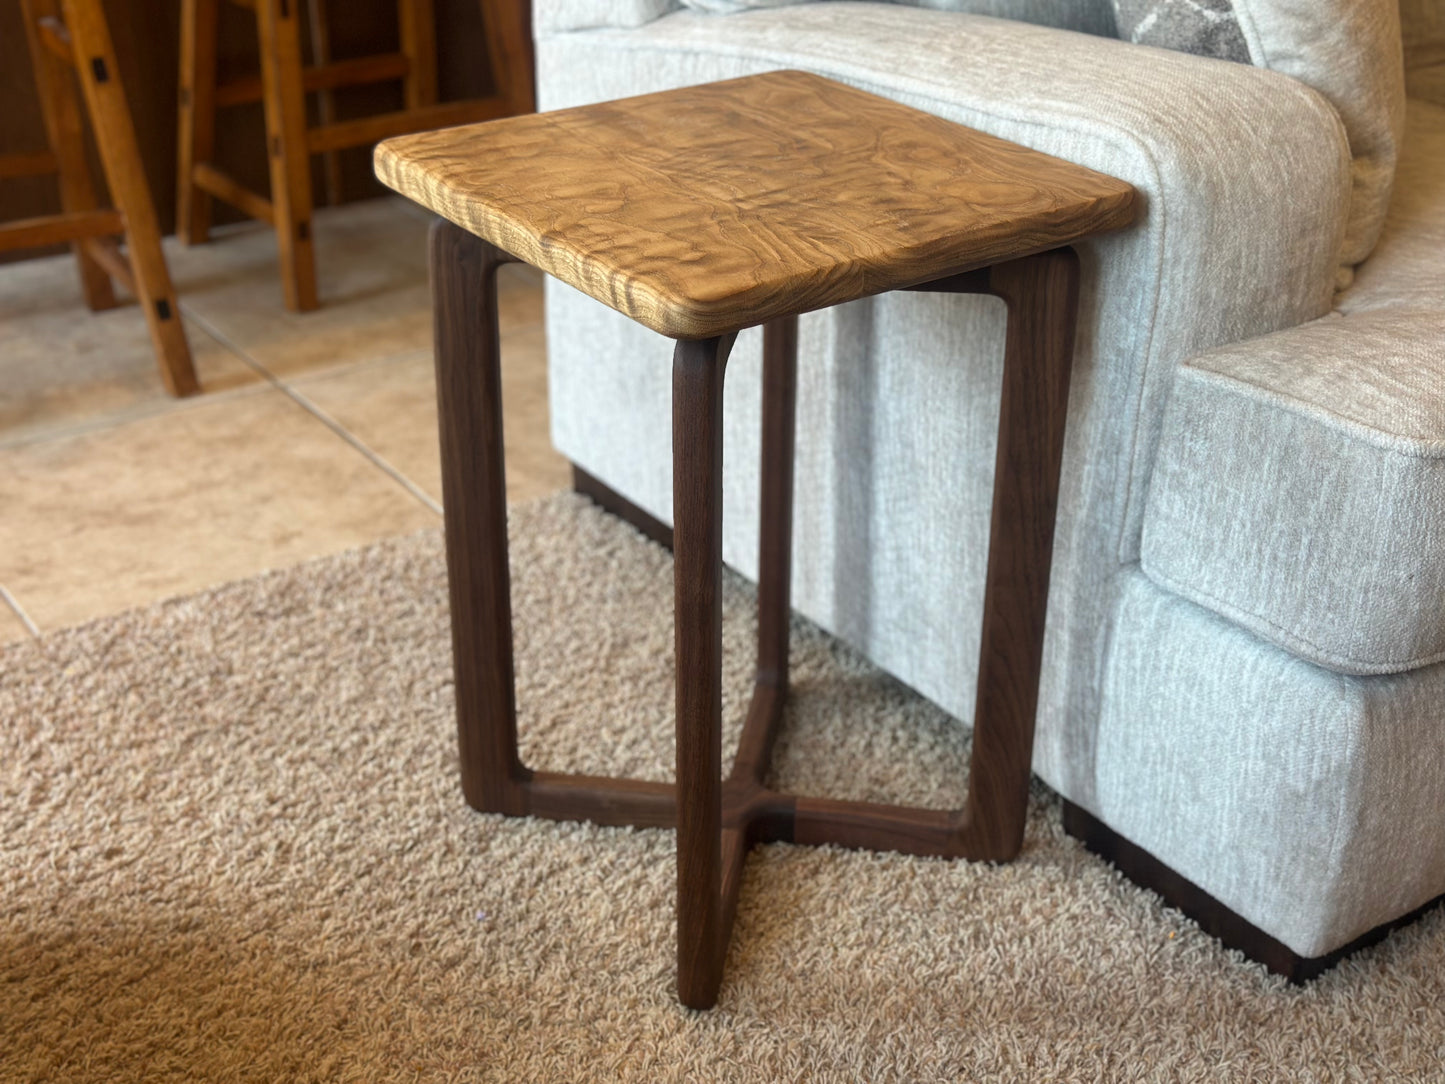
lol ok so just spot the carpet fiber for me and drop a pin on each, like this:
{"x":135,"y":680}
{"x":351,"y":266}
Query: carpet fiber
{"x":233,"y":848}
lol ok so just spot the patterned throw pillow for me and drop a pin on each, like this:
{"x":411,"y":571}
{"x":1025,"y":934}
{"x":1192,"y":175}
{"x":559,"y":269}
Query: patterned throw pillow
{"x":1203,"y":27}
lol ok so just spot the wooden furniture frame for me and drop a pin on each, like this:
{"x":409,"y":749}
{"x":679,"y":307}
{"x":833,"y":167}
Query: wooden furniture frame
{"x":282,"y":87}
{"x":718,"y":819}
{"x":710,"y":247}
{"x":69,"y":41}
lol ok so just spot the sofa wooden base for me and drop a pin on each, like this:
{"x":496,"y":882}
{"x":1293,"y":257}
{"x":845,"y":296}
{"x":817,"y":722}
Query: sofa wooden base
{"x":1217,"y":920}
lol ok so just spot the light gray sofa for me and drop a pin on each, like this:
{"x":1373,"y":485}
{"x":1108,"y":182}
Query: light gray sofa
{"x":1243,"y":698}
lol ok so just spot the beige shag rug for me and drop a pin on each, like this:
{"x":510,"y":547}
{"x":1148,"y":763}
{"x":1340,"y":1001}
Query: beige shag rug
{"x":233,"y":848}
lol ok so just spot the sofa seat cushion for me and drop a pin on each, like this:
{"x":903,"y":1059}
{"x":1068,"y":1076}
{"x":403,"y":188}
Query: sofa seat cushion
{"x":1300,"y":489}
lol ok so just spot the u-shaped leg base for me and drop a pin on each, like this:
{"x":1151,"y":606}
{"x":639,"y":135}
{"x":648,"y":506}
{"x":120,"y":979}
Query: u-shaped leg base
{"x":717,"y":819}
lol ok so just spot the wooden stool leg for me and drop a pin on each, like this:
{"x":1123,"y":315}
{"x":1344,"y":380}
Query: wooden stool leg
{"x":697,"y":449}
{"x":284,"y":98}
{"x":115,"y":138}
{"x":1042,"y":294}
{"x":60,"y":107}
{"x":196,"y":131}
{"x":419,"y":46}
{"x":320,"y":27}
{"x":474,"y":496}
{"x":509,"y":54}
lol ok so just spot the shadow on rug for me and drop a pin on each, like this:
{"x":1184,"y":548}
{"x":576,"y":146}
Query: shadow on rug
{"x":233,"y":848}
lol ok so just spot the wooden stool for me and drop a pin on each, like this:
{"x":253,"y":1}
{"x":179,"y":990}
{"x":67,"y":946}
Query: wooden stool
{"x":70,"y":39}
{"x":282,"y":88}
{"x":699,"y":212}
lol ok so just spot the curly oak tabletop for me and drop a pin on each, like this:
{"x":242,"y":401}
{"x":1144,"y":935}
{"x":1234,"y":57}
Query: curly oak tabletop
{"x":707,"y":209}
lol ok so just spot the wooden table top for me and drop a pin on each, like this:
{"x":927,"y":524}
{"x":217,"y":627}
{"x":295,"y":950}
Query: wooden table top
{"x":713,"y":208}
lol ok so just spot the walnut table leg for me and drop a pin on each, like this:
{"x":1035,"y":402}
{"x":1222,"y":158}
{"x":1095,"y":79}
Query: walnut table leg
{"x":718,"y":818}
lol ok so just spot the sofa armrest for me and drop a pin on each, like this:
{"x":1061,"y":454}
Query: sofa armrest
{"x":1300,"y":489}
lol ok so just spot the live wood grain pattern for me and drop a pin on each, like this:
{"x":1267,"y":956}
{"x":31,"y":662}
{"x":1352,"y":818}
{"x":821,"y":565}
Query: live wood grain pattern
{"x":704,"y":210}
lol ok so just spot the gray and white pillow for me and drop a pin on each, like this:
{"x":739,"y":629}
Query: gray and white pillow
{"x":1203,"y":27}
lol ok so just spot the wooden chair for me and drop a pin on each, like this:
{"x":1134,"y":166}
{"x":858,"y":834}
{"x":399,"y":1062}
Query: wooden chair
{"x":69,"y":39}
{"x":282,"y":87}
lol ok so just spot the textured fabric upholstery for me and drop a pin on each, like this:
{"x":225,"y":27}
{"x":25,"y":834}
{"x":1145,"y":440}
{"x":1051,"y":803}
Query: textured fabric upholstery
{"x":1350,"y":51}
{"x":553,"y":16}
{"x":1300,"y":489}
{"x":1407,"y":269}
{"x":1333,"y":545}
{"x":898,"y":396}
{"x":1307,"y":801}
{"x":1201,"y":27}
{"x":560,"y":16}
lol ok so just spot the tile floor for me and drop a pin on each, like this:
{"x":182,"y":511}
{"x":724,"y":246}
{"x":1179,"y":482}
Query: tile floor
{"x":315,"y":433}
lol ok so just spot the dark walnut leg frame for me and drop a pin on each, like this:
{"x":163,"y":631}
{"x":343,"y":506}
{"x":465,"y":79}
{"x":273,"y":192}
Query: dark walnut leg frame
{"x":717,"y":819}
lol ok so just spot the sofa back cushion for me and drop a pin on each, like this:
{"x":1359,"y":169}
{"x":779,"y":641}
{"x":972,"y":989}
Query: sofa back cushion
{"x":1348,"y":50}
{"x":1087,"y":16}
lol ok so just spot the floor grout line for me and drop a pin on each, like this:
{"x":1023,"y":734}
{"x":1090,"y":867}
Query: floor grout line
{"x":316,"y":412}
{"x":14,"y":604}
{"x":361,"y":446}
{"x":139,"y":412}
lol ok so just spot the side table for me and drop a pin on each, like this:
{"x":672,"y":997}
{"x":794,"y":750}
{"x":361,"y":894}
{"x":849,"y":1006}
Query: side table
{"x":699,"y":212}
